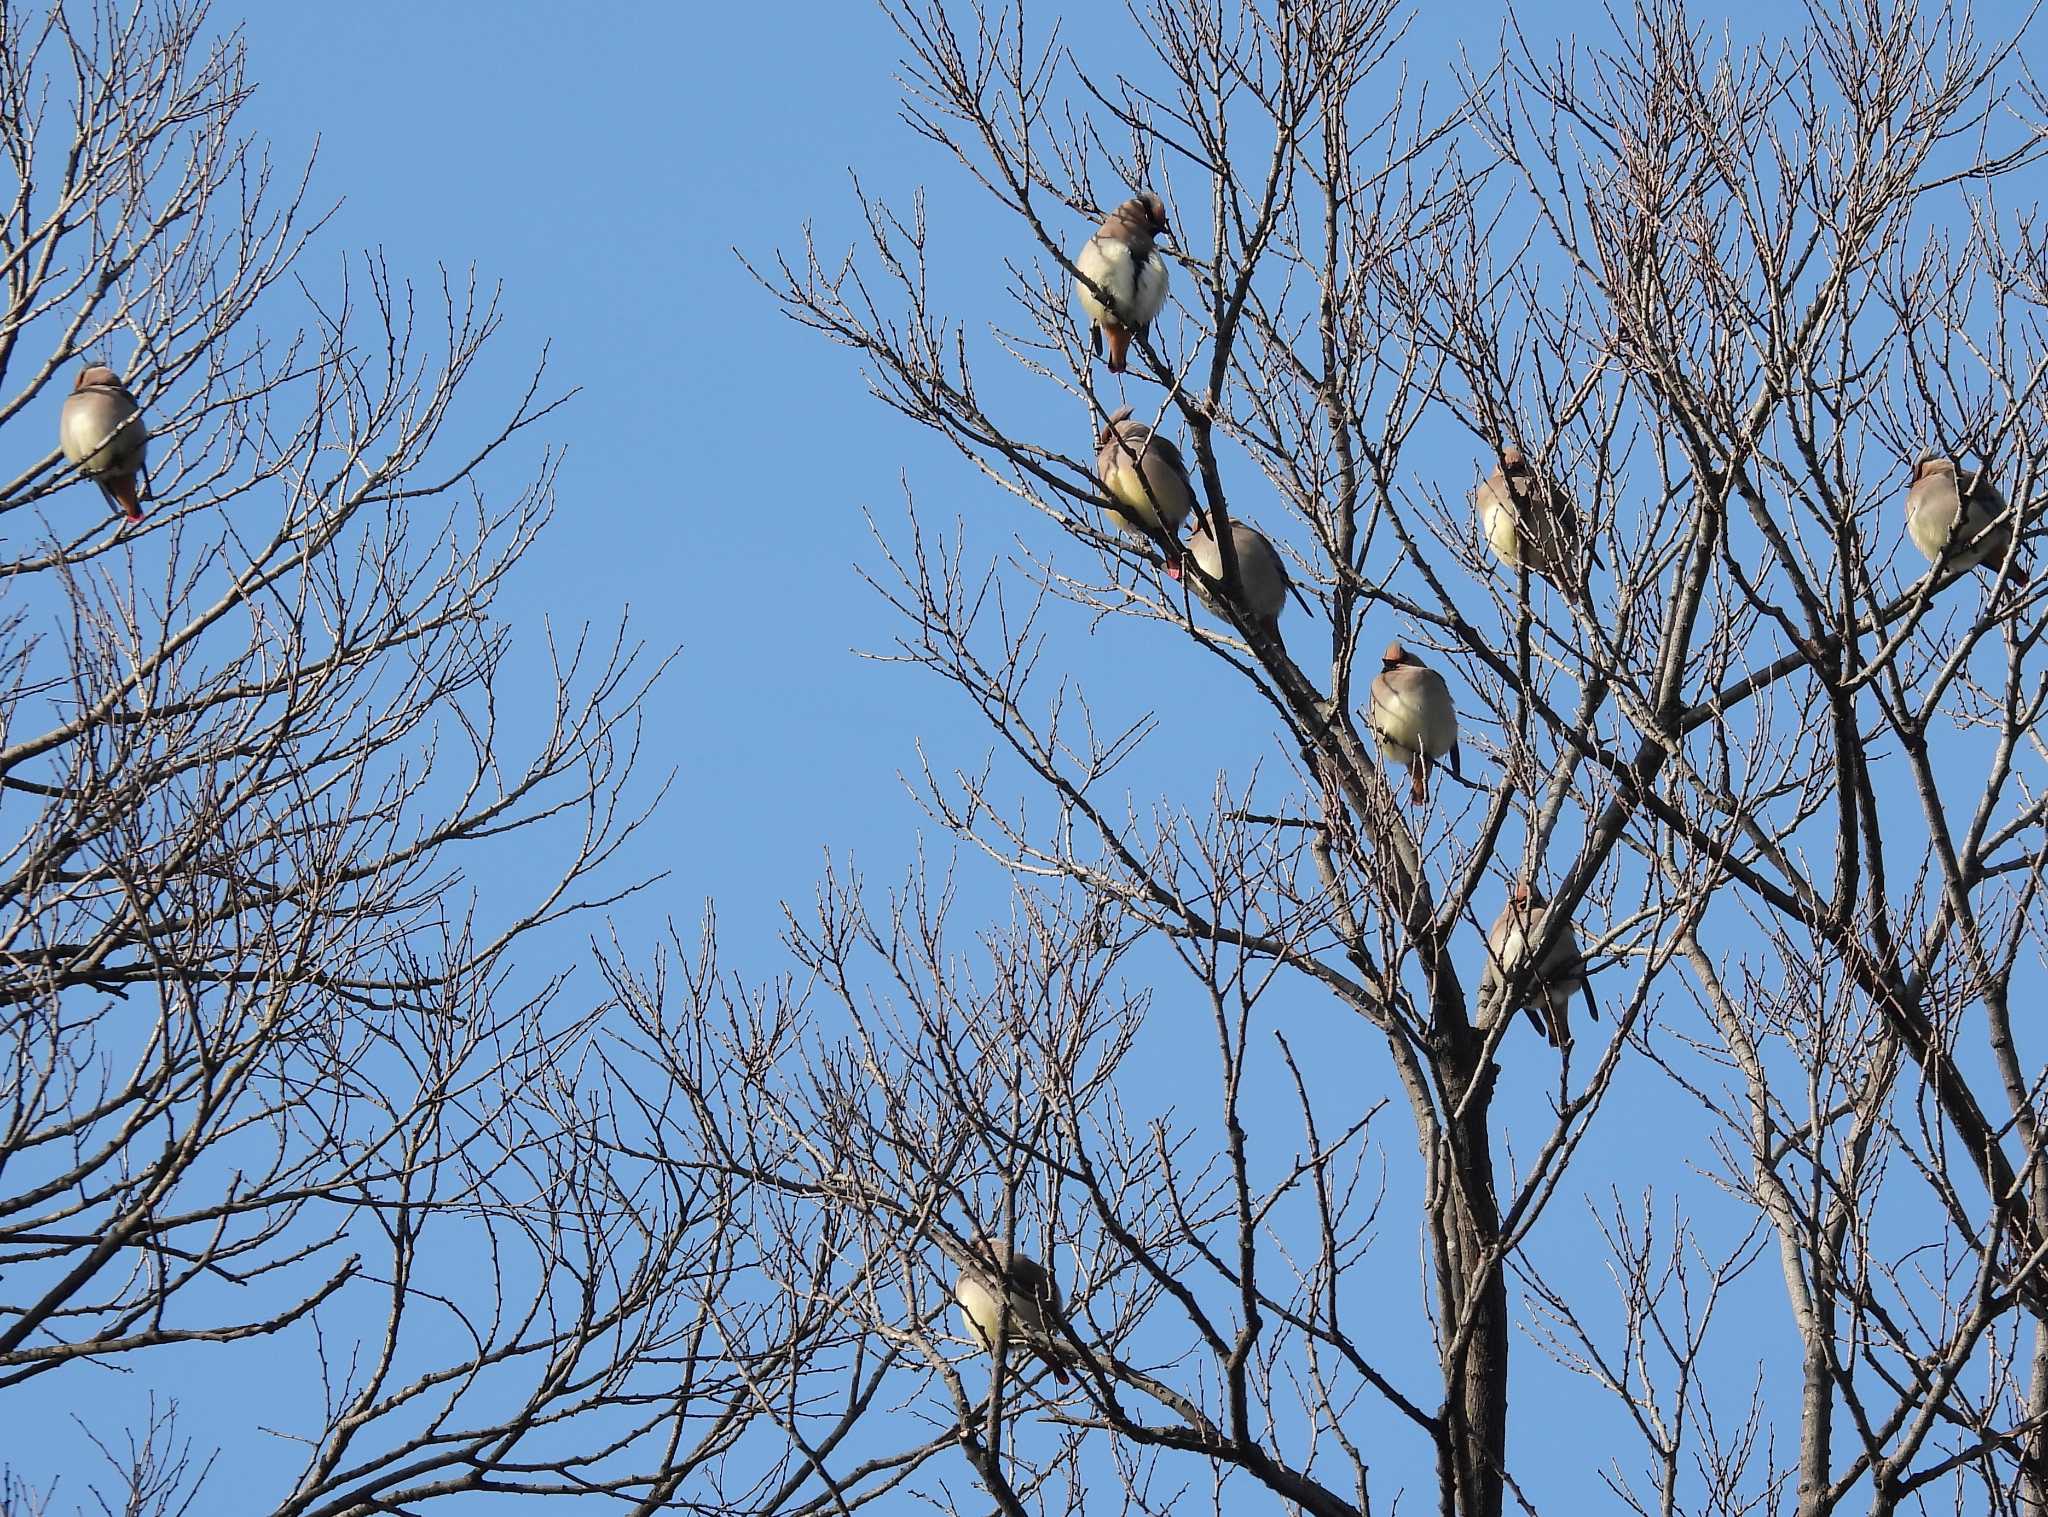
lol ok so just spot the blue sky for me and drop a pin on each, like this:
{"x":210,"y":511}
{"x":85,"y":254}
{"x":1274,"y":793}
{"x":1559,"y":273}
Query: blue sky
{"x":718,"y":458}
{"x":603,"y":163}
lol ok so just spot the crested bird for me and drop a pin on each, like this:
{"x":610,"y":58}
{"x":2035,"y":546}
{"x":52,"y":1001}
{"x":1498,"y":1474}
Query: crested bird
{"x":1968,"y":528}
{"x":1562,"y":974}
{"x":1262,"y":579}
{"x":1412,"y":717}
{"x":101,"y":431}
{"x":1147,"y":481}
{"x":1123,"y":278}
{"x":1530,"y":522}
{"x":999,"y":1282}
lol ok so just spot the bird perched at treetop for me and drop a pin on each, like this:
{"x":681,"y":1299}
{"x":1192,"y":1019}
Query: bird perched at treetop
{"x":101,"y":431}
{"x":1122,"y":283}
{"x":1968,"y":527}
{"x":999,"y":1279}
{"x":1262,"y":578}
{"x":1412,"y":717}
{"x":1148,"y":484}
{"x":1531,"y":522}
{"x":1547,"y":997}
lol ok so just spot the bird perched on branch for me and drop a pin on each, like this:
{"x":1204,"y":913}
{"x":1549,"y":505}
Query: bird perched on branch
{"x":1968,"y":528}
{"x":1562,"y":975}
{"x":1262,"y":579}
{"x":1412,"y":717}
{"x":996,"y":1280}
{"x":1148,"y":483}
{"x":101,"y":431}
{"x":1531,"y":522}
{"x":1123,"y":278}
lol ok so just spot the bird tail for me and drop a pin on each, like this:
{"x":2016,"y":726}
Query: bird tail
{"x":1095,"y":339}
{"x":120,"y":489}
{"x":1119,"y":345}
{"x":1051,"y":1360}
{"x":1418,"y":780}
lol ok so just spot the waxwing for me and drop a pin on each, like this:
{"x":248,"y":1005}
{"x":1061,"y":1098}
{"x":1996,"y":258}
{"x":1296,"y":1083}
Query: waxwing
{"x":1148,"y":484}
{"x":1123,"y":278}
{"x":1412,"y":717}
{"x":1530,"y":522}
{"x":1935,"y":503}
{"x":101,"y":431}
{"x":1262,"y":579}
{"x":1547,"y":997}
{"x":997,"y":1278}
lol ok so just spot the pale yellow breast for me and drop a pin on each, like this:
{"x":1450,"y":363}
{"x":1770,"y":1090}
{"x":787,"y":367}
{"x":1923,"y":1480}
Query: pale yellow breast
{"x":1497,"y":519}
{"x":1163,"y":509}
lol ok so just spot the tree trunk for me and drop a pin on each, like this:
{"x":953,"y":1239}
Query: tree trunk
{"x":1476,"y":1359}
{"x":2034,"y":1451}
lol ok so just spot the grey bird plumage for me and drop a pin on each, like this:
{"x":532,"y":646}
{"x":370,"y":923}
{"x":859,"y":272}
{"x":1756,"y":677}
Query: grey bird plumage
{"x":999,"y":1280}
{"x":1147,"y":482}
{"x":101,"y":431}
{"x":1262,"y":579}
{"x":1529,"y":521}
{"x":1412,"y":717}
{"x":1123,"y":278}
{"x":1964,"y":524}
{"x":1549,"y":991}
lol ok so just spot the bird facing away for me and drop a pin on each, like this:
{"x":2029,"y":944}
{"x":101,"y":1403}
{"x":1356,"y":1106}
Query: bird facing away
{"x":1120,"y":262}
{"x":1531,"y":522}
{"x":1262,"y":582}
{"x":1548,"y":996}
{"x":1412,"y":717}
{"x":101,"y":431}
{"x":998,"y":1277}
{"x":1935,"y":505}
{"x":1148,"y":483}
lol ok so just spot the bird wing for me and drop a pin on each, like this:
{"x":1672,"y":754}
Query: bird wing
{"x":1167,"y":451}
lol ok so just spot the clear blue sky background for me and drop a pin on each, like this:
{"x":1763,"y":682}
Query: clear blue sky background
{"x":603,"y":162}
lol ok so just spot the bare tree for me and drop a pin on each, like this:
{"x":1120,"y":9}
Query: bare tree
{"x":1781,"y":779}
{"x":270,"y":1069}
